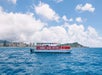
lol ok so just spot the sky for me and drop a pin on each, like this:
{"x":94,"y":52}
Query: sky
{"x":61,"y":21}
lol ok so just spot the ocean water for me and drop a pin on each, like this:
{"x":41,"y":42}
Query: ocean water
{"x":81,"y":61}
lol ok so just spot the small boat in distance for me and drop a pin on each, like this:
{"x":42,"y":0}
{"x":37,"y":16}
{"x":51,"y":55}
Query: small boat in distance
{"x":50,"y":47}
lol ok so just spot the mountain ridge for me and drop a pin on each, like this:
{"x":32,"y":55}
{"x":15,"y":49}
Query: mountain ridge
{"x":74,"y":45}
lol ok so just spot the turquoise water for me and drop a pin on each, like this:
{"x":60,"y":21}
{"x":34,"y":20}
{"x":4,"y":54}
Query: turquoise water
{"x":81,"y":61}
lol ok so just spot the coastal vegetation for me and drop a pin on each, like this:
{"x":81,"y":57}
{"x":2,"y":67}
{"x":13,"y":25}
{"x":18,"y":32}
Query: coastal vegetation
{"x":74,"y":45}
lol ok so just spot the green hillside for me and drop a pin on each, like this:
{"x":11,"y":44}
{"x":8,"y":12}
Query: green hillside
{"x":74,"y":45}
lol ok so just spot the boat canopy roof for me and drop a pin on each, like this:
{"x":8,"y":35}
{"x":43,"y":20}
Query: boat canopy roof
{"x":45,"y":44}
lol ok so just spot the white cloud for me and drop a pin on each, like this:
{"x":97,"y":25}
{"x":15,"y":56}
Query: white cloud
{"x":1,"y":10}
{"x":52,"y":34}
{"x":79,"y":19}
{"x":93,"y":38}
{"x":25,"y":27}
{"x":87,"y":37}
{"x":46,"y":11}
{"x":86,"y":7}
{"x":71,"y":19}
{"x":58,"y":1}
{"x":18,"y":26}
{"x":13,"y":1}
{"x":64,"y":18}
{"x":69,"y":33}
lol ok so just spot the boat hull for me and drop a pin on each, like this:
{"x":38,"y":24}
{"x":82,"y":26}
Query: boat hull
{"x":49,"y":51}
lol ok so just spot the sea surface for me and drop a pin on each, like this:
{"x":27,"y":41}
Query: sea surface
{"x":81,"y":61}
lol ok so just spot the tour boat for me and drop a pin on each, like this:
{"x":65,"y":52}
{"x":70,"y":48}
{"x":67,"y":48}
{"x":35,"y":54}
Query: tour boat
{"x":50,"y":47}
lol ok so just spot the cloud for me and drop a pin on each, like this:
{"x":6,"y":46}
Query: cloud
{"x":13,"y":1}
{"x":46,"y":11}
{"x":58,"y":1}
{"x":51,"y":34}
{"x":86,"y":7}
{"x":1,"y":9}
{"x":66,"y":19}
{"x":79,"y":19}
{"x":71,"y":19}
{"x":88,"y":37}
{"x":18,"y":26}
{"x":69,"y":33}
{"x":25,"y":27}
